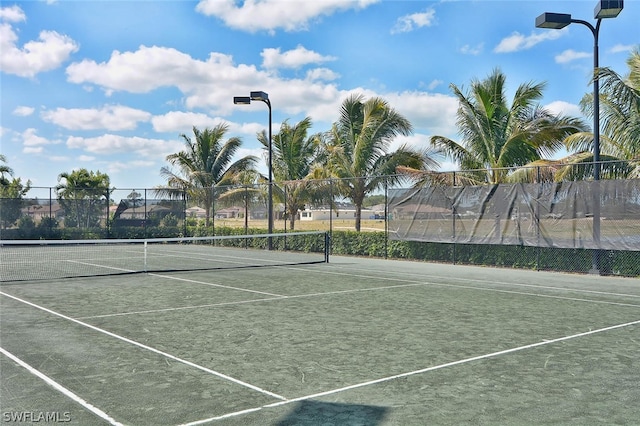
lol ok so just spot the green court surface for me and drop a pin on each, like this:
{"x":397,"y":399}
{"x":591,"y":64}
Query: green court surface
{"x":350,"y":342}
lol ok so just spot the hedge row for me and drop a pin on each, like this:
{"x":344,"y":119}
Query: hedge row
{"x":375,"y":244}
{"x":612,"y":262}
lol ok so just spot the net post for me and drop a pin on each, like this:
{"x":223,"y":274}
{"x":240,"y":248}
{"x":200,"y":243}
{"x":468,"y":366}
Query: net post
{"x":327,"y":244}
{"x":145,"y":256}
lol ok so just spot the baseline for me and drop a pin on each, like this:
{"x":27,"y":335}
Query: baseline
{"x":148,"y":348}
{"x":57,"y":386}
{"x":416,"y":372}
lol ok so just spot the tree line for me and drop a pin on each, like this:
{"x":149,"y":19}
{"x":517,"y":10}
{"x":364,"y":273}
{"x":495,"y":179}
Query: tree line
{"x":500,"y":141}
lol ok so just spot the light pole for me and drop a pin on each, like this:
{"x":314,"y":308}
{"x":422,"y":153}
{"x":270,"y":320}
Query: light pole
{"x":604,"y":9}
{"x":246,"y":100}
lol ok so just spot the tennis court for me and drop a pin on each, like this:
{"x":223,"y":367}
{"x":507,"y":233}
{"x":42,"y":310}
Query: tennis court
{"x":355,"y":341}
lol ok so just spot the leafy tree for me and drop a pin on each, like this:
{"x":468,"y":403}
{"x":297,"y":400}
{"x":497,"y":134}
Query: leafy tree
{"x":497,"y":135}
{"x":169,"y":220}
{"x":12,"y":192}
{"x":620,"y":122}
{"x":84,"y":195}
{"x":48,"y":228}
{"x":26,"y":227}
{"x":294,"y":155}
{"x":204,"y":166}
{"x":374,"y":200}
{"x":134,"y":199}
{"x":357,"y":148}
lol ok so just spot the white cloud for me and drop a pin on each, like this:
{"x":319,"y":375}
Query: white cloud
{"x":115,"y":167}
{"x":434,"y":84}
{"x":48,"y":53}
{"x":472,"y":50}
{"x":564,"y":108}
{"x":32,"y":150}
{"x":12,"y":14}
{"x":435,"y":113}
{"x":109,"y":117}
{"x":210,"y":83}
{"x":144,"y":70}
{"x":249,"y":129}
{"x":408,"y":23}
{"x":295,"y":58}
{"x":618,"y":48}
{"x":30,"y":138}
{"x":322,"y":74}
{"x":32,"y":143}
{"x":23,"y":111}
{"x":109,"y":144}
{"x":205,"y":84}
{"x":179,"y":122}
{"x":269,"y":15}
{"x":571,"y":55}
{"x":448,"y":166}
{"x":517,"y":42}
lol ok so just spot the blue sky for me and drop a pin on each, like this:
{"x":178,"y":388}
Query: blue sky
{"x":111,"y":85}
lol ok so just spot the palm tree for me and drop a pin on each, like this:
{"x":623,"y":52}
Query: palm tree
{"x":206,"y":164}
{"x":5,"y":171}
{"x":294,"y":156}
{"x":620,"y":121}
{"x":84,"y":195}
{"x":497,"y":136}
{"x":358,"y":144}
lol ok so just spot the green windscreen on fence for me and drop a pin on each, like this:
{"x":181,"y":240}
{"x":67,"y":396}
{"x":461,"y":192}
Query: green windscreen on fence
{"x":53,"y":259}
{"x":601,"y":214}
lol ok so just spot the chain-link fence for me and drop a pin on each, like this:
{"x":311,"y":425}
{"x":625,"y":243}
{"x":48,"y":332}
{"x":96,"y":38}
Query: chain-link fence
{"x":442,"y":217}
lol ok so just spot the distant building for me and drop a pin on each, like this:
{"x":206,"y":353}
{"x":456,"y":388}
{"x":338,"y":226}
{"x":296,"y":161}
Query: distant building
{"x":326,"y":214}
{"x":39,"y":211}
{"x":197,"y":212}
{"x":230,"y":213}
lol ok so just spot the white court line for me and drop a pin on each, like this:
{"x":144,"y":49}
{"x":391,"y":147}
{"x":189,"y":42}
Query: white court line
{"x":181,"y":308}
{"x":217,"y":285}
{"x":149,"y":348}
{"x":100,"y":266}
{"x":413,"y":283}
{"x":415,"y":372}
{"x":329,"y":293}
{"x":57,"y":386}
{"x":182,"y":279}
{"x":377,"y":277}
{"x":507,"y":283}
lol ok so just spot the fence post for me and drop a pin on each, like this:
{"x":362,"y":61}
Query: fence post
{"x":106,"y":221}
{"x":246,"y":210}
{"x":145,"y":218}
{"x":537,"y":213}
{"x":213,"y":210}
{"x":453,"y":211}
{"x":50,"y":210}
{"x":184,"y":213}
{"x":330,"y":207}
{"x":386,"y":217}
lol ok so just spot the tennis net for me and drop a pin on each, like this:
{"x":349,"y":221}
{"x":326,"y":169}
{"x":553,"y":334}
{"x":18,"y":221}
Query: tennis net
{"x":22,"y":260}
